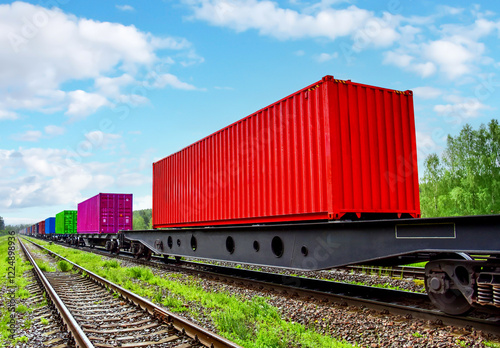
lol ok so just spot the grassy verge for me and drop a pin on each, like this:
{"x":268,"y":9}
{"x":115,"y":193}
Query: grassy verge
{"x":248,"y":322}
{"x":12,"y":286}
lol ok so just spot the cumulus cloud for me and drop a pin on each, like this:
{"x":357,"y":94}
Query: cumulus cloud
{"x":425,"y":145}
{"x":452,"y":58}
{"x":7,"y":115}
{"x":325,"y":57}
{"x":46,"y":177}
{"x":125,"y":8}
{"x":42,"y":49}
{"x":144,"y":202}
{"x":461,"y":108}
{"x":163,"y":80}
{"x":30,"y":135}
{"x":99,"y":139}
{"x":82,"y":103}
{"x":457,"y":51}
{"x":427,"y":92}
{"x":54,"y":130}
{"x":406,"y":61}
{"x":269,"y":19}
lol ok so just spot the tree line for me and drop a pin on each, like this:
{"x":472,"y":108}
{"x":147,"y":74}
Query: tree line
{"x":464,"y":180}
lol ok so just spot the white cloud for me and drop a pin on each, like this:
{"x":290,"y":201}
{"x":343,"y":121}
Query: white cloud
{"x":99,"y":139}
{"x":41,"y":49}
{"x":83,"y":103}
{"x":30,"y":135}
{"x":461,"y":108}
{"x":453,"y":58}
{"x":125,"y":8}
{"x":54,"y":130}
{"x":324,"y":57}
{"x":37,"y":177}
{"x":427,"y":92}
{"x":111,"y":86}
{"x":406,"y":61}
{"x":399,"y":59}
{"x":170,"y":43}
{"x":132,"y":179}
{"x":144,"y":202}
{"x":8,"y":115}
{"x":455,"y":52}
{"x":425,"y":145}
{"x":163,"y":80}
{"x":271,"y":20}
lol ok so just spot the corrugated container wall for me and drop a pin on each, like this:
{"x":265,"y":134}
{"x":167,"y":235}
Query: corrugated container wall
{"x":50,"y":225}
{"x":105,"y":213}
{"x":331,"y":149}
{"x":66,"y":222}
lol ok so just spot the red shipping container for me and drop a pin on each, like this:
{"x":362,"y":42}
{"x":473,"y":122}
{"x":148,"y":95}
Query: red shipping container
{"x":331,"y":149}
{"x":105,"y":213}
{"x":41,"y":227}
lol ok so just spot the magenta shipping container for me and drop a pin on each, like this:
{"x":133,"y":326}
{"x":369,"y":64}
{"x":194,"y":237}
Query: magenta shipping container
{"x":105,"y":213}
{"x":335,"y":149}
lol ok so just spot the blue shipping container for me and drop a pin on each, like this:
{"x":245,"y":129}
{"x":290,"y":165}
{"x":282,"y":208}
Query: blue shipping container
{"x":50,"y":225}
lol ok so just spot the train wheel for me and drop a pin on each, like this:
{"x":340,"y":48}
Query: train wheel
{"x":441,"y":288}
{"x":451,"y":302}
{"x":147,"y":254}
{"x":138,"y":250}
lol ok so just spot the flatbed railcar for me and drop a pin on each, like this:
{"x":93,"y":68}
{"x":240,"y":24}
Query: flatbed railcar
{"x":463,"y":271}
{"x":325,"y":177}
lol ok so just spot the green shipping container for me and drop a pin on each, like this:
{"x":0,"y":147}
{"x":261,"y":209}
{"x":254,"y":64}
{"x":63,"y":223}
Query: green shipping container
{"x":66,"y":222}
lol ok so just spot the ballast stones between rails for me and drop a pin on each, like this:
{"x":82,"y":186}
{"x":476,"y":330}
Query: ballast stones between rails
{"x":110,"y":321}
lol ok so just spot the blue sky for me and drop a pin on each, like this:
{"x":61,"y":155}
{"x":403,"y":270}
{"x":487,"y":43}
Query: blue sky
{"x":92,"y":92}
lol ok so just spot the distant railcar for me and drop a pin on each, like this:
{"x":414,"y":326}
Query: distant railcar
{"x":66,"y":222}
{"x":105,"y":213}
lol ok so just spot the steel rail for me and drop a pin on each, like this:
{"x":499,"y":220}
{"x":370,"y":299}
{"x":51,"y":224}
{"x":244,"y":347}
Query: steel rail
{"x":194,"y":331}
{"x":81,"y":339}
{"x":250,"y":279}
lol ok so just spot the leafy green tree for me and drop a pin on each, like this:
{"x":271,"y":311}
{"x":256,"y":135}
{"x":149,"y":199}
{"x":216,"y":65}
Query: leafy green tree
{"x":465,"y":181}
{"x":142,"y":219}
{"x":2,"y":224}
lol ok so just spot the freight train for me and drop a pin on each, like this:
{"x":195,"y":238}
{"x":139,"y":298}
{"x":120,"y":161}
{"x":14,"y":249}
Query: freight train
{"x":324,"y":177}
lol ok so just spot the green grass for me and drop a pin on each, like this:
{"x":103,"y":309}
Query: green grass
{"x":45,"y":267}
{"x":64,"y":266}
{"x":248,"y":322}
{"x":44,"y":321}
{"x":19,"y":283}
{"x":22,"y":309}
{"x":492,"y":344}
{"x":418,"y":264}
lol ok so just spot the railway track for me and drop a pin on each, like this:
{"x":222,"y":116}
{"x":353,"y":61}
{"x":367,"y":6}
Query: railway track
{"x":99,"y":313}
{"x":407,"y":304}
